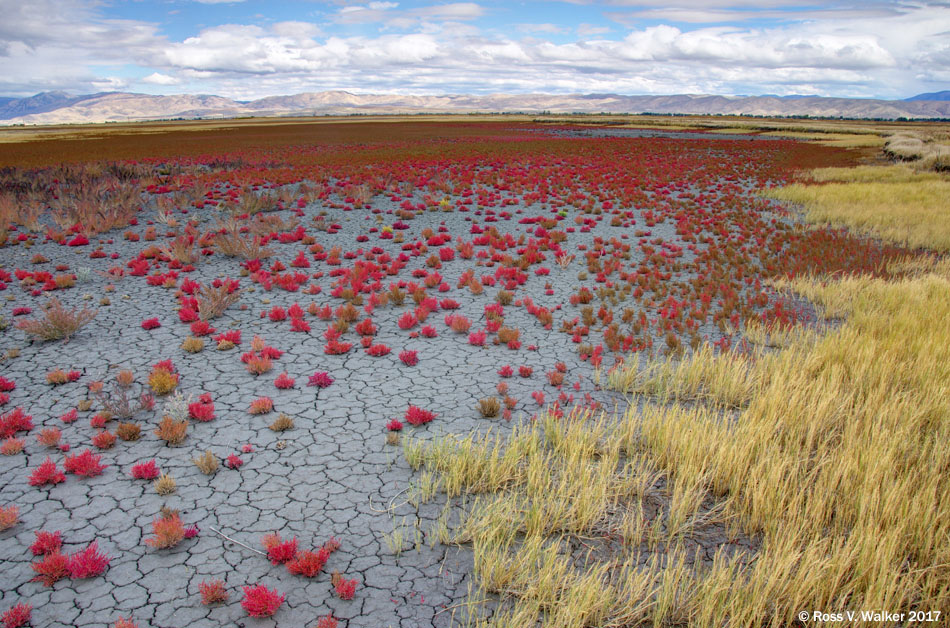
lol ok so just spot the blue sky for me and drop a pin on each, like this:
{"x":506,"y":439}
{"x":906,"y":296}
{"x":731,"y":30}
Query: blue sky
{"x":250,"y":49}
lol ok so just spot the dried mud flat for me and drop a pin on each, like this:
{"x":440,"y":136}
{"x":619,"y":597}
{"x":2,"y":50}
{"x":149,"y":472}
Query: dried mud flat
{"x":332,"y":475}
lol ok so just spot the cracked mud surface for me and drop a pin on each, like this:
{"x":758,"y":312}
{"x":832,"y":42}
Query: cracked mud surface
{"x":332,"y":475}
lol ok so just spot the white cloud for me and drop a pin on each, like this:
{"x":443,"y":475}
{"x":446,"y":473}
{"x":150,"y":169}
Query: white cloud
{"x":157,"y":78}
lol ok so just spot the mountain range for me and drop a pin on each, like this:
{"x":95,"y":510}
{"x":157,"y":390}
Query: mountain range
{"x":62,"y":108}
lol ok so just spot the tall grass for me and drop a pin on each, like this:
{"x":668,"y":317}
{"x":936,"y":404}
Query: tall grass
{"x":910,"y":212}
{"x":836,"y":466}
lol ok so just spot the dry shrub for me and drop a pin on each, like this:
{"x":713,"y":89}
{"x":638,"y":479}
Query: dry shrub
{"x":128,"y":431}
{"x":57,"y":322}
{"x":192,"y":344}
{"x":171,"y":431}
{"x":489,"y":407}
{"x":207,"y":462}
{"x":282,"y":423}
{"x":165,"y":484}
{"x":212,"y":302}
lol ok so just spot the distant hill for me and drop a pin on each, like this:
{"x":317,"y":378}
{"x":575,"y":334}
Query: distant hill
{"x":938,"y":96}
{"x":61,"y":108}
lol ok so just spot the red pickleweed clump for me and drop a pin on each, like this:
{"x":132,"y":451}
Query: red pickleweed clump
{"x":233,"y":461}
{"x":87,"y":563}
{"x":261,"y":405}
{"x":46,"y":473}
{"x":151,"y":323}
{"x":6,"y":385}
{"x":277,"y":313}
{"x":525,"y":371}
{"x":85,"y":464}
{"x":378,"y":351}
{"x":203,"y":409}
{"x":505,"y":371}
{"x":428,"y":331}
{"x":50,"y":569}
{"x":328,"y":621}
{"x":409,"y":357}
{"x":345,"y":589}
{"x":19,"y":614}
{"x":321,"y":379}
{"x":300,"y":325}
{"x":366,"y":327}
{"x":259,"y":601}
{"x":278,"y":550}
{"x":477,"y":338}
{"x":307,"y":563}
{"x":49,"y":436}
{"x":9,"y":516}
{"x":417,"y":416}
{"x":104,"y":440}
{"x":538,"y":396}
{"x":100,"y":419}
{"x":335,"y":347}
{"x":70,"y":416}
{"x":168,"y":532}
{"x":202,"y":328}
{"x":407,"y":321}
{"x":125,"y":622}
{"x":284,"y":381}
{"x":394,"y":425}
{"x":12,"y":446}
{"x":46,"y":543}
{"x":213,"y":592}
{"x":232,"y":335}
{"x":145,"y":470}
{"x":15,"y":421}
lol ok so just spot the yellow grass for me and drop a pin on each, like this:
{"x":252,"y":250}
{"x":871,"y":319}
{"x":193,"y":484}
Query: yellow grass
{"x":837,"y":461}
{"x":911,"y":212}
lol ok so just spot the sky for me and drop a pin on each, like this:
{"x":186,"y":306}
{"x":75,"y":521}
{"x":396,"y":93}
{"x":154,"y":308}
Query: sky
{"x":247,"y":49}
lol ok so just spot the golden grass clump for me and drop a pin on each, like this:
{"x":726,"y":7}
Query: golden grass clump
{"x":207,"y":462}
{"x":192,"y":344}
{"x":489,"y":407}
{"x":282,"y":423}
{"x":56,"y":321}
{"x":165,"y":484}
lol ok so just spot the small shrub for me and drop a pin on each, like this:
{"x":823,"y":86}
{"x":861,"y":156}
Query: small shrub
{"x":12,"y":446}
{"x":555,"y":378}
{"x":125,"y":622}
{"x":57,"y":322}
{"x":409,"y":358}
{"x":207,"y":462}
{"x":321,"y":379}
{"x":307,"y":563}
{"x":168,"y":532}
{"x":284,"y":381}
{"x":259,"y":601}
{"x":145,"y":470}
{"x":9,"y":516}
{"x":417,"y":416}
{"x":51,"y":569}
{"x":282,"y":423}
{"x":460,"y":324}
{"x":525,"y":371}
{"x":508,"y":334}
{"x":234,"y":461}
{"x":17,"y":615}
{"x":213,"y":592}
{"x":87,"y":563}
{"x":85,"y":464}
{"x":203,"y":409}
{"x":193,"y":344}
{"x":214,"y":300}
{"x":504,"y":297}
{"x":489,"y":407}
{"x":171,"y":431}
{"x":346,"y":589}
{"x":162,"y":380}
{"x":261,"y":405}
{"x":278,"y":550}
{"x":128,"y":431}
{"x":165,"y":484}
{"x":104,"y":440}
{"x":258,"y":364}
{"x":46,"y":473}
